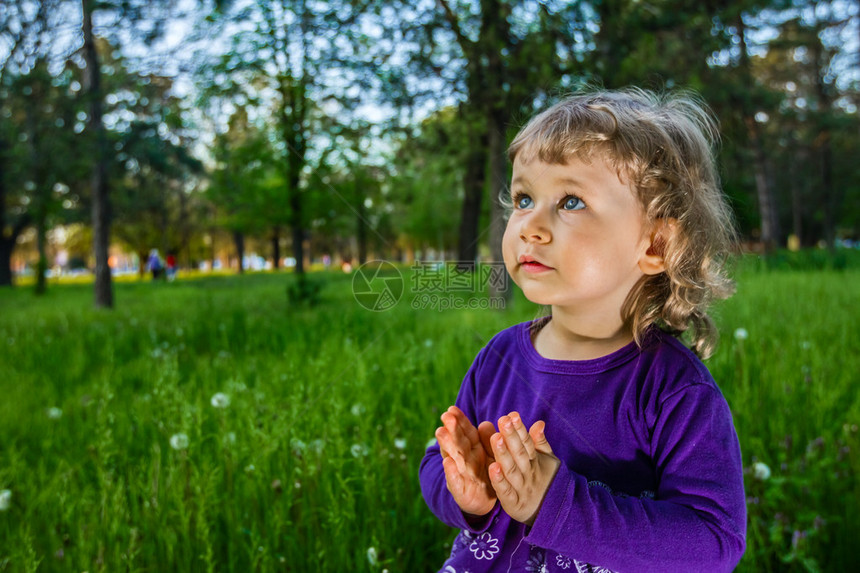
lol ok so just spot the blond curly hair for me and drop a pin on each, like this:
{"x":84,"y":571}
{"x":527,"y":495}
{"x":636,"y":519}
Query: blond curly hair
{"x":664,"y":145}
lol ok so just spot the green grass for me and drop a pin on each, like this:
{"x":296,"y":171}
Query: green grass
{"x":305,"y":469}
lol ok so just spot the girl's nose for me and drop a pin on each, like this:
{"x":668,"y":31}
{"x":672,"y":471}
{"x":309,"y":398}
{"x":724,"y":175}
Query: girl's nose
{"x":534,"y":229}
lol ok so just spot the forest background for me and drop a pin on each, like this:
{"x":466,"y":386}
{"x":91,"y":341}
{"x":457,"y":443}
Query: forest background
{"x":223,"y":424}
{"x":304,"y":129}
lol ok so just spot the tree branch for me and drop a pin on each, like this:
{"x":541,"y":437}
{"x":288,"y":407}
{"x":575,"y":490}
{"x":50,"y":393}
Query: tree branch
{"x":466,"y":44}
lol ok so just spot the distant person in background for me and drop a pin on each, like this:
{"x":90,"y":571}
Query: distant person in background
{"x":171,"y":266}
{"x":615,"y":449}
{"x":154,"y":264}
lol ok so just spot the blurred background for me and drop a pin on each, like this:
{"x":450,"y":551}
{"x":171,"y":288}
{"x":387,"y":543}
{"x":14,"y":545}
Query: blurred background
{"x":278,"y":134}
{"x":217,"y":172}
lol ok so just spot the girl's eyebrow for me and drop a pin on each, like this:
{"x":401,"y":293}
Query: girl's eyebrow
{"x":519,"y":180}
{"x":569,"y":181}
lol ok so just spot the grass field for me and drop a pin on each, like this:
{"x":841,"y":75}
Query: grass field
{"x":210,"y":425}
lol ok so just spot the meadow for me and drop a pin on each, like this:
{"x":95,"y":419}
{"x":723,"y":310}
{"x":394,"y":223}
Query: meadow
{"x":214,"y":425}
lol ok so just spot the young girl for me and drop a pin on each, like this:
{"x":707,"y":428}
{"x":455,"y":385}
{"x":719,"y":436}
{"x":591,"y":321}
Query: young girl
{"x":614,"y":449}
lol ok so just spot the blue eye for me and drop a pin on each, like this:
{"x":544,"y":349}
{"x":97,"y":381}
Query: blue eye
{"x":571,"y":203}
{"x":522,"y":201}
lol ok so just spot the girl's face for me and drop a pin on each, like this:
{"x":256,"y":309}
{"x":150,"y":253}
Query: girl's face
{"x":576,"y":237}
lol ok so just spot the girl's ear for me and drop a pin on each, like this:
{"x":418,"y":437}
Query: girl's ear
{"x":652,"y":261}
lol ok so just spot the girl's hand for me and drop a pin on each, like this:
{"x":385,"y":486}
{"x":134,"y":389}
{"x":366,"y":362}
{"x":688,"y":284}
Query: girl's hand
{"x":465,"y":452}
{"x":523,"y":469}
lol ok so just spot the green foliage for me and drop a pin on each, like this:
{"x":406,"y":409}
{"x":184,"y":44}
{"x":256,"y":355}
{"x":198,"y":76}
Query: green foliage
{"x":805,"y":260}
{"x":303,"y":467}
{"x":304,"y":290}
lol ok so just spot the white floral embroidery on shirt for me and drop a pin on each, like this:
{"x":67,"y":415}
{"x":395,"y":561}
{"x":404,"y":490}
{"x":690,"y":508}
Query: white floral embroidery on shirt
{"x":563,"y":562}
{"x":485,"y":546}
{"x":586,"y":568}
{"x":537,"y":562}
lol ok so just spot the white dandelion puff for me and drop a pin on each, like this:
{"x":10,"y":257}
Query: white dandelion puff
{"x":358,"y":450}
{"x":741,"y":334}
{"x":297,"y":446}
{"x":5,"y":499}
{"x":371,"y":556}
{"x":250,"y":468}
{"x":357,"y":409}
{"x":220,"y":400}
{"x":760,"y":471}
{"x":179,"y":441}
{"x":400,"y":444}
{"x":55,"y":413}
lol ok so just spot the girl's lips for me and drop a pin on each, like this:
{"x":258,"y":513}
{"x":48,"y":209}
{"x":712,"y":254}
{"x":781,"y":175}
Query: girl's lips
{"x":532,"y":266}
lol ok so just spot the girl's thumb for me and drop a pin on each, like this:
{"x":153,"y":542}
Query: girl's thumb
{"x":539,"y":437}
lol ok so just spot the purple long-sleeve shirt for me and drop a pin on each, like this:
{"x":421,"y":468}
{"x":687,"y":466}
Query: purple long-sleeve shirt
{"x":651,"y":477}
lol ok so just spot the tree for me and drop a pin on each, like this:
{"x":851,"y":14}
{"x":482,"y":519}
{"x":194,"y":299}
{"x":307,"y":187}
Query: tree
{"x":287,"y":63}
{"x":24,"y":31}
{"x":497,"y":58}
{"x":142,"y":20}
{"x":242,"y":181}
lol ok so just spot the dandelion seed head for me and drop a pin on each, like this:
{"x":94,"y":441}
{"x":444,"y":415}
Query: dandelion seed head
{"x":760,"y":471}
{"x":400,"y":444}
{"x":5,"y":499}
{"x":357,"y":409}
{"x":298,"y":447}
{"x":55,"y":413}
{"x":220,"y":400}
{"x":179,"y":441}
{"x":371,"y":556}
{"x":358,"y":450}
{"x":741,"y":334}
{"x":250,"y":468}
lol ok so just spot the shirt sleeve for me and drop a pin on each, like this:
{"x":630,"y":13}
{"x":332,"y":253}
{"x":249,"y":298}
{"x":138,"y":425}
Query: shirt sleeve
{"x":697,"y":520}
{"x":432,"y":475}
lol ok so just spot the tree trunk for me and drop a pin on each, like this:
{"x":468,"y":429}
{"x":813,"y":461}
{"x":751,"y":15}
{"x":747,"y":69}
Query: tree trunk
{"x":831,"y":197}
{"x":276,"y":247}
{"x":473,"y":191}
{"x":7,"y":243}
{"x":103,"y":292}
{"x":6,"y":246}
{"x":498,"y":175}
{"x":296,"y":228}
{"x":796,"y":202}
{"x":239,"y":241}
{"x":360,"y":225}
{"x":42,"y":264}
{"x":767,"y":208}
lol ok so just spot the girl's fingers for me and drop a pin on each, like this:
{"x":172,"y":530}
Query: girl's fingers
{"x":538,"y":435}
{"x":523,"y":433}
{"x":505,"y":491}
{"x":464,"y":425}
{"x":515,"y":446}
{"x":485,"y":432}
{"x":505,"y":461}
{"x":453,"y":477}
